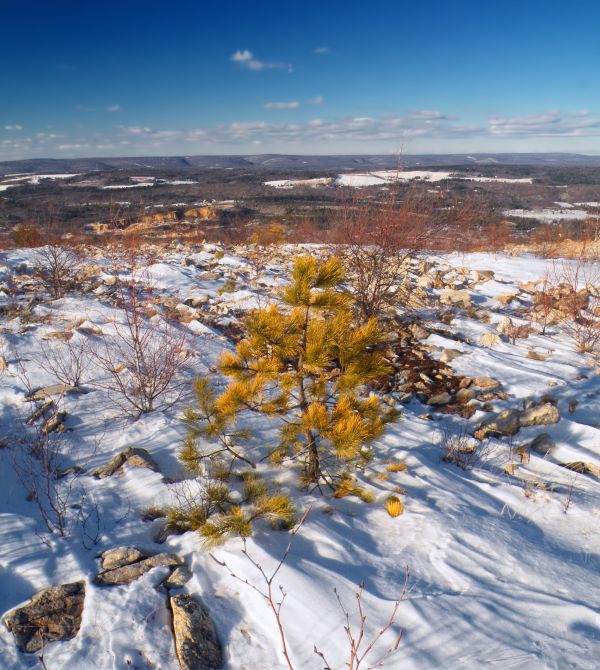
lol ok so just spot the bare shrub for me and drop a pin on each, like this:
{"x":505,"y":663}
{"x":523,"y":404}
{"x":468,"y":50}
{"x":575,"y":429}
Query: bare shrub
{"x":362,"y":651}
{"x":463,"y":450}
{"x":68,"y":360}
{"x":379,"y":240}
{"x":145,"y":356}
{"x":57,"y":268}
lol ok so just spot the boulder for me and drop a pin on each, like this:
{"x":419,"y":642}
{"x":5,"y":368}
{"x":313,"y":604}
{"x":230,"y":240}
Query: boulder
{"x":120,"y":556}
{"x":456,"y":298}
{"x":132,"y":571}
{"x":196,"y":641}
{"x":134,"y":457}
{"x":53,"y":614}
{"x":504,"y":424}
{"x":543,"y":444}
{"x":541,"y":415}
{"x":486,"y":383}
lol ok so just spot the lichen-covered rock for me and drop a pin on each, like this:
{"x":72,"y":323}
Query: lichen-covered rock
{"x":442,"y":398}
{"x":51,"y":615}
{"x":541,"y":415}
{"x":134,"y":457}
{"x":504,"y":424}
{"x":132,"y":571}
{"x":196,"y":641}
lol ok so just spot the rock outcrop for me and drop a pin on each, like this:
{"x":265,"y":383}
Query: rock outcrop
{"x":53,"y":614}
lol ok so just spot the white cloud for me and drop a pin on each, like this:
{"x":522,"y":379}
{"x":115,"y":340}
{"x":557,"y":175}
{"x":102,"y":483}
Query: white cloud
{"x":294,"y":104}
{"x":322,"y":50}
{"x":70,"y":147}
{"x":15,"y":126}
{"x":317,"y":100}
{"x":113,"y":108}
{"x":246,"y":59}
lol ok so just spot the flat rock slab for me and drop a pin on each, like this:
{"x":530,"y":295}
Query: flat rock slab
{"x":49,"y":391}
{"x":126,"y":574}
{"x":196,"y":641}
{"x":134,"y":457}
{"x":53,"y":614}
{"x":120,"y":556}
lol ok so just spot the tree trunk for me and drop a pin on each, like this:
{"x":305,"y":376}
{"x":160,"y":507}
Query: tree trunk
{"x":313,"y":466}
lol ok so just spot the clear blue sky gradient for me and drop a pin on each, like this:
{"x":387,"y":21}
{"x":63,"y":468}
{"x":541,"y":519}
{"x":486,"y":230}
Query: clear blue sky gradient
{"x":82,"y":78}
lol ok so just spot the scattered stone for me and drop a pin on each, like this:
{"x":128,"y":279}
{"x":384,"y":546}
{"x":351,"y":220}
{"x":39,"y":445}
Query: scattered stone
{"x":535,"y":356}
{"x":541,"y":415}
{"x":442,"y":398}
{"x":504,"y":424}
{"x":456,"y":298}
{"x":132,"y":571}
{"x":53,"y":614}
{"x":482,"y":276}
{"x":55,"y":424}
{"x":543,"y":444}
{"x":196,"y":641}
{"x":3,"y":363}
{"x":489,"y":340}
{"x":464,"y":395}
{"x":486,"y":383}
{"x":134,"y":457}
{"x":573,"y":405}
{"x":506,"y":298}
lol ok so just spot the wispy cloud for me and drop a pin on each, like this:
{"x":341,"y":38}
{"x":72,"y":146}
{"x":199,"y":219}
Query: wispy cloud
{"x":321,"y":50}
{"x":294,"y":104}
{"x":552,"y":123}
{"x":113,"y":108}
{"x":245,"y":58}
{"x":14,"y":126}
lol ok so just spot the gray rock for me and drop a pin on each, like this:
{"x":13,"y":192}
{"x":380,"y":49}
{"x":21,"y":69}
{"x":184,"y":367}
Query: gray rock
{"x":134,"y":457}
{"x":52,"y":614}
{"x":196,"y":641}
{"x":504,"y":424}
{"x":541,"y":415}
{"x":120,"y":556}
{"x":449,"y":355}
{"x":442,"y":398}
{"x":542,"y":444}
{"x":179,"y":577}
{"x":129,"y":573}
{"x":465,"y":395}
{"x":456,"y":298}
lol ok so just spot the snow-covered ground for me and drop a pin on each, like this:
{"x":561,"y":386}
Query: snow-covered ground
{"x":383,"y":177}
{"x":501,"y":575}
{"x":549,"y":215}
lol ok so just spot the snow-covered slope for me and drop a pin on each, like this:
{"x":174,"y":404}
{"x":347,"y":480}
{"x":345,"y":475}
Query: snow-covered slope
{"x":501,"y":575}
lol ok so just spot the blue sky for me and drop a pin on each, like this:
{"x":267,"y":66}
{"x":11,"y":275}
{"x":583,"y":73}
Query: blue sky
{"x":82,"y":78}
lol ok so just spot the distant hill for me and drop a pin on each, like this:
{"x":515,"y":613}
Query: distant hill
{"x":292,"y":162}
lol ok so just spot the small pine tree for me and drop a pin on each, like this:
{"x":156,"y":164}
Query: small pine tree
{"x":307,"y":363}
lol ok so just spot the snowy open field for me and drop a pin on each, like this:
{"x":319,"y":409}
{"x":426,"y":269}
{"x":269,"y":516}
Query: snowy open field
{"x":501,"y":576}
